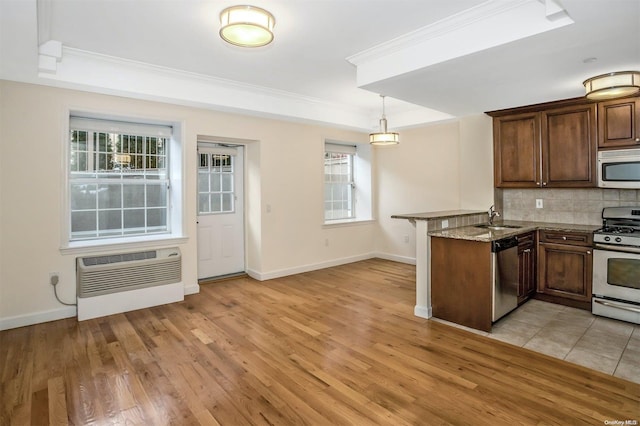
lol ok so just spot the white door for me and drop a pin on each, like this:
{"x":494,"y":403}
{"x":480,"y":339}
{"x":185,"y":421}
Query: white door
{"x":220,"y":210}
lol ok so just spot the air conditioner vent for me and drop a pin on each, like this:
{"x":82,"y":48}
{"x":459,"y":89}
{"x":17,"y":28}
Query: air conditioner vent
{"x":117,"y":258}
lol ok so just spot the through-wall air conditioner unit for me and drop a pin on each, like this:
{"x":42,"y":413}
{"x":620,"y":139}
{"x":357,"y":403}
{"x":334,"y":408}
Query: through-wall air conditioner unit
{"x":115,"y":283}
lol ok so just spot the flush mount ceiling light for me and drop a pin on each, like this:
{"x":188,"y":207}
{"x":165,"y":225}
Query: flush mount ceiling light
{"x":612,"y":85}
{"x":246,"y":26}
{"x":383,"y":137}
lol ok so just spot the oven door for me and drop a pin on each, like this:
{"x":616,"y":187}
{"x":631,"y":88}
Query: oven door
{"x":616,"y":283}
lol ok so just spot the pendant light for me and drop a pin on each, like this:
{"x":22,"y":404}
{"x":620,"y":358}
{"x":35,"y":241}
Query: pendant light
{"x":612,"y":85}
{"x":384,"y":137}
{"x":246,"y":26}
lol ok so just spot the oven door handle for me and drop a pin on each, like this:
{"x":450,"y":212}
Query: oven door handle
{"x":621,"y":249}
{"x":618,"y":306}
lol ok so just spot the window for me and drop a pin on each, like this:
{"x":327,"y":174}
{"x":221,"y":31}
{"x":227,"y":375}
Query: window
{"x":347,"y":182}
{"x":339,"y":185}
{"x":119,"y":180}
{"x":215,"y":183}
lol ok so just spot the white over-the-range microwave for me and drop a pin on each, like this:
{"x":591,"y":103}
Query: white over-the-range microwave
{"x":619,"y":168}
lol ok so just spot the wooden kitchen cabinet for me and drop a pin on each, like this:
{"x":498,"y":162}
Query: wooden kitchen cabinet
{"x":461,"y":282}
{"x":564,"y":267}
{"x":619,"y":123}
{"x":527,"y":271}
{"x":517,"y":150}
{"x":569,"y":147}
{"x":554,"y":147}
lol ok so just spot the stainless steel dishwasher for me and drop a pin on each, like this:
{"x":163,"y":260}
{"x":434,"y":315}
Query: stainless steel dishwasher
{"x":504,"y":255}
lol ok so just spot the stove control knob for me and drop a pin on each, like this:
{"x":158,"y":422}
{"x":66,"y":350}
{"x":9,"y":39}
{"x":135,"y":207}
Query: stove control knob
{"x":607,"y":238}
{"x":618,"y":239}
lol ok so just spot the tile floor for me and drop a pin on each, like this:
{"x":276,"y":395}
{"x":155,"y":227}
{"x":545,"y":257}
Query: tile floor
{"x":574,"y":335}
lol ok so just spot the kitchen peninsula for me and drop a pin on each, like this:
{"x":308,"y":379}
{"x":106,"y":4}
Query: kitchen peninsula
{"x":424,"y":223}
{"x":460,"y":230}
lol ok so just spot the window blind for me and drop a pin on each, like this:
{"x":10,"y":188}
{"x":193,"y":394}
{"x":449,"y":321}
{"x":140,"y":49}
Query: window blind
{"x":339,"y":148}
{"x":120,"y":127}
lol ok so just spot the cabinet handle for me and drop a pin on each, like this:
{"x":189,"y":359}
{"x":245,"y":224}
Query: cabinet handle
{"x":527,"y":251}
{"x":637,"y":139}
{"x":564,"y":238}
{"x":589,"y":252}
{"x":544,"y":183}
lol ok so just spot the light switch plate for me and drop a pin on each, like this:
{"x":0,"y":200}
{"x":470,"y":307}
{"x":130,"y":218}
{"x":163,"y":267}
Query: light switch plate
{"x":445,"y":223}
{"x":539,"y":203}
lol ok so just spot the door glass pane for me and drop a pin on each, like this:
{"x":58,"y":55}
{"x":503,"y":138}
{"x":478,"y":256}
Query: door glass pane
{"x":203,"y":203}
{"x":203,"y":182}
{"x":227,"y":203}
{"x":215,"y":183}
{"x":227,"y":182}
{"x":216,"y":204}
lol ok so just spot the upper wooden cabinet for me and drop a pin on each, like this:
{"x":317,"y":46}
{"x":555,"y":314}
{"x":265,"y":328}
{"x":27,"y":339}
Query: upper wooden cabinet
{"x":569,"y":147}
{"x":550,"y":148}
{"x":517,"y":150}
{"x":619,"y":123}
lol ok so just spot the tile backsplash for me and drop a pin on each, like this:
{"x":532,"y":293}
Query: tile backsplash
{"x":579,"y":206}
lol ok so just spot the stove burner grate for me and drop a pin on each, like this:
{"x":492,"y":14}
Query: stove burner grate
{"x":618,"y":230}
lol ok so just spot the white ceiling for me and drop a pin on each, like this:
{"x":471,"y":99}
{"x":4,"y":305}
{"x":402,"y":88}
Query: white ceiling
{"x":170,"y":50}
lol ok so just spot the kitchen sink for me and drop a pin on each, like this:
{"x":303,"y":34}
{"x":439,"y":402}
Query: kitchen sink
{"x":497,"y":227}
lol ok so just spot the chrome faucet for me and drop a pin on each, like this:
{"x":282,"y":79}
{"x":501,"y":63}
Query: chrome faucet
{"x":492,"y":214}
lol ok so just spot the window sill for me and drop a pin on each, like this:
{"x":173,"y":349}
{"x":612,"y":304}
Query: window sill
{"x":133,"y":243}
{"x":347,"y":222}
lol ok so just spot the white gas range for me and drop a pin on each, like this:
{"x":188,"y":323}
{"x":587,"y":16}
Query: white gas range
{"x":616,"y":265}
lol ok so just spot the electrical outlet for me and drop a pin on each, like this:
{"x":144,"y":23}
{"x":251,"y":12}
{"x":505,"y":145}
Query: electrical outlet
{"x":326,"y":242}
{"x":445,"y":223}
{"x":539,"y":203}
{"x":53,"y":278}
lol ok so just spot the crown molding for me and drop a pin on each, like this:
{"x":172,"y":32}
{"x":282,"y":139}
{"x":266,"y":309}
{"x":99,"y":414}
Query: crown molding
{"x":92,"y":71}
{"x":448,"y":25}
{"x":490,"y":24}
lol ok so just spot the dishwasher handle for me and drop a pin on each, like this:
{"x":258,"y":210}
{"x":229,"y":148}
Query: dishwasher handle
{"x":503,"y":244}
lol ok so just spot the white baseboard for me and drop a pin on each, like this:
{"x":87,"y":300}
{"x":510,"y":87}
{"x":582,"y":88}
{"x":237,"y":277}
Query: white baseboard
{"x":422,"y":311}
{"x":191,"y":289}
{"x":262,"y":276}
{"x":37,"y":317}
{"x":396,"y":258}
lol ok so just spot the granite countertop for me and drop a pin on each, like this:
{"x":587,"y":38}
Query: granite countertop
{"x":437,"y":215}
{"x":474,"y":233}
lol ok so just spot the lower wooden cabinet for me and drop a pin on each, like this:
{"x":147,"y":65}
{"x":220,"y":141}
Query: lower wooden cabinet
{"x":527,"y":271}
{"x":564,"y":270}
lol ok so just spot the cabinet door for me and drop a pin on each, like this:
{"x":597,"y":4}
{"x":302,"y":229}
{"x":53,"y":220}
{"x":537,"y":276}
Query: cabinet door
{"x":618,"y":123}
{"x":565,"y":271}
{"x":517,"y":150}
{"x":569,"y":146}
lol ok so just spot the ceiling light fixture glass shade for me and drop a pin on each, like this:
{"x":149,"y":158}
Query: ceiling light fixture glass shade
{"x":612,"y":85}
{"x":246,"y":26}
{"x":383,"y":137}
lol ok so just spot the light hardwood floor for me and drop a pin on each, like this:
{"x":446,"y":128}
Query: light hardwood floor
{"x":336,"y":346}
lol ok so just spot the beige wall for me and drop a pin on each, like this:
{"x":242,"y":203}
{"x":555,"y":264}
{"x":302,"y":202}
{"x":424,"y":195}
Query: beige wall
{"x":284,"y":171}
{"x":421,"y":174}
{"x":476,"y":162}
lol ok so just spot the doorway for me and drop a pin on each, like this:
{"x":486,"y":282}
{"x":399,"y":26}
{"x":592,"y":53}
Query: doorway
{"x":221,"y":249}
